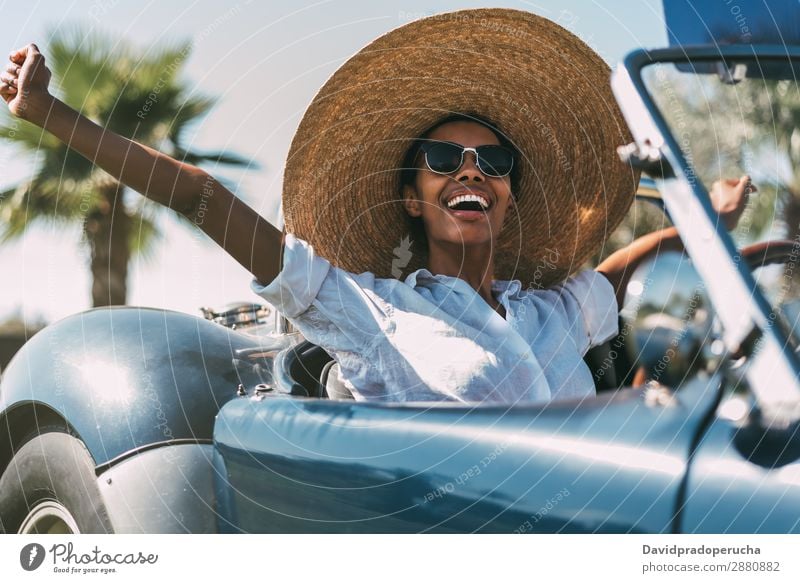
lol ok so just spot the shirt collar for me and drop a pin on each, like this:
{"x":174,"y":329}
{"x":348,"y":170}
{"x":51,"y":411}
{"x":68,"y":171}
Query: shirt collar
{"x":510,"y":288}
{"x":420,"y":274}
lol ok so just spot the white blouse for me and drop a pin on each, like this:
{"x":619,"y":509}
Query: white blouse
{"x":433,"y":338}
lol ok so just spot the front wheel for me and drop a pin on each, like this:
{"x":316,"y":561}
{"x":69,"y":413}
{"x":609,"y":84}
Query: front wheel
{"x":50,"y":487}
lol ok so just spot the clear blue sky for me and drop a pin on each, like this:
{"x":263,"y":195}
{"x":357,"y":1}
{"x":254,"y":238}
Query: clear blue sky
{"x":265,"y":60}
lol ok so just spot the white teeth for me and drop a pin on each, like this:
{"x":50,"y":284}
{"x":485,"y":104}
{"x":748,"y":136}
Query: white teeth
{"x":467,"y":198}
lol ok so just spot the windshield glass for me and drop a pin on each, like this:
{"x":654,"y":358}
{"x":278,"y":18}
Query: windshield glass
{"x":730,"y":121}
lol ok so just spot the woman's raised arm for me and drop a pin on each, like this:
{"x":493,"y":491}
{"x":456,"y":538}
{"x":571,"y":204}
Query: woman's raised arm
{"x":187,"y":189}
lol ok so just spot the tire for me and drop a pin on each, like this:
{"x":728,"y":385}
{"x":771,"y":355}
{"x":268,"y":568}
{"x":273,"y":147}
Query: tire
{"x":50,"y":487}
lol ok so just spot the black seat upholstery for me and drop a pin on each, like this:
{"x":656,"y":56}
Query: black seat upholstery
{"x":332,"y":387}
{"x":610,"y":363}
{"x":304,"y":365}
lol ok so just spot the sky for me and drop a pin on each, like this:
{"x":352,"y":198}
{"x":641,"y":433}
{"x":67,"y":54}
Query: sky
{"x":264,"y":61}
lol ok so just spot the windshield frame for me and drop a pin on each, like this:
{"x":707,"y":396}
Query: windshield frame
{"x":774,"y":371}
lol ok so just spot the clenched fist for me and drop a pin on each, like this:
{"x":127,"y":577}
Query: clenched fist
{"x":729,"y":198}
{"x":23,"y":84}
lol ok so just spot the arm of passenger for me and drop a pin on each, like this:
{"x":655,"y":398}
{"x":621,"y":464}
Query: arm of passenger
{"x":185,"y":188}
{"x":728,"y":197}
{"x":298,"y":281}
{"x":620,"y":265}
{"x":331,"y":307}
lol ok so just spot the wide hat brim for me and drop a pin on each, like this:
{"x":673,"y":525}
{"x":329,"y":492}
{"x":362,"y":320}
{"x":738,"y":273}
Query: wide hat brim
{"x":544,"y":88}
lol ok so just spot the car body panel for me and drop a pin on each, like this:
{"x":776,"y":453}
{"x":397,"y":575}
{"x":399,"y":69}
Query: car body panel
{"x":744,"y":480}
{"x":611,"y":464}
{"x":128,"y":378}
{"x":167,"y":489}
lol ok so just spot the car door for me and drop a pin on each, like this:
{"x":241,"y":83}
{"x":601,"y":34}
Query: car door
{"x":614,"y":463}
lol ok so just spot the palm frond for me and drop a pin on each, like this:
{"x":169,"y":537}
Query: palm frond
{"x":43,"y":200}
{"x":26,"y":136}
{"x":82,"y":67}
{"x":144,"y":235}
{"x":190,"y":110}
{"x":137,"y":93}
{"x":65,"y":165}
{"x":160,"y":66}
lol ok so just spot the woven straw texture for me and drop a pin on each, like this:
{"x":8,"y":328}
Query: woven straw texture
{"x":547,"y":91}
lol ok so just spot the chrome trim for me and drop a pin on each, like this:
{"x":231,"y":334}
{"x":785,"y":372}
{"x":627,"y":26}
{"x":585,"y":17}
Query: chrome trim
{"x":283,"y":325}
{"x":238,"y":315}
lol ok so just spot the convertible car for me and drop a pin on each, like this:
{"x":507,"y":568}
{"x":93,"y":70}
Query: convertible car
{"x":145,"y":420}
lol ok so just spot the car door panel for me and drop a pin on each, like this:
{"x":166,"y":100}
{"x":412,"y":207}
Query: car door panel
{"x":609,"y":464}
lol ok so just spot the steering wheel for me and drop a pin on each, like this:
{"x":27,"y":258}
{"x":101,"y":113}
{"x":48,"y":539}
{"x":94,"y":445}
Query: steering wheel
{"x":610,"y":362}
{"x":771,"y":253}
{"x":778,"y":252}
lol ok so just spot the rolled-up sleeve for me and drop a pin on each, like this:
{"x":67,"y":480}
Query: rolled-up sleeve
{"x":589,"y":307}
{"x":330,"y":306}
{"x":298,"y":282}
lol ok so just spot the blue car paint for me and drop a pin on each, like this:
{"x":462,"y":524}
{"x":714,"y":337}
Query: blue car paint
{"x":744,"y":480}
{"x":611,"y":464}
{"x":127,"y":378}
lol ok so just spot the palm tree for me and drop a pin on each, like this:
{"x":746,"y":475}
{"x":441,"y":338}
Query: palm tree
{"x":135,"y":93}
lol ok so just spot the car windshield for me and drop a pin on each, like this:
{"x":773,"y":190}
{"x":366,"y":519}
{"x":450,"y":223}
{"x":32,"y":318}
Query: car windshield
{"x":743,"y":119}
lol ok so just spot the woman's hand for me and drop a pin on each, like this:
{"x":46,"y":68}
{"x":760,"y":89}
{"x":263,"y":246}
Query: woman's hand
{"x":729,"y":198}
{"x":238,"y":229}
{"x":24,"y":82}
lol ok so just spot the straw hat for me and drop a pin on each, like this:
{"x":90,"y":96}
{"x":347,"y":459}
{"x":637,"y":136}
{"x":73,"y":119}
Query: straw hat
{"x":546,"y":90}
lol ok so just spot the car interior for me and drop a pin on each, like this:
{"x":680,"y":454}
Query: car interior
{"x":314,"y":373}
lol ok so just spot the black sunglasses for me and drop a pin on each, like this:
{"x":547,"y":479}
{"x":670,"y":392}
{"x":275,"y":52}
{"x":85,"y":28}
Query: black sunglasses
{"x":448,"y":157}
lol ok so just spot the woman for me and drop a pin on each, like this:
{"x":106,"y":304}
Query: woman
{"x":475,"y":149}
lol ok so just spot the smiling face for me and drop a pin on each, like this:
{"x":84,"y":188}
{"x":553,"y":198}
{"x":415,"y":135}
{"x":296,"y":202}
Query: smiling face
{"x":430,"y":192}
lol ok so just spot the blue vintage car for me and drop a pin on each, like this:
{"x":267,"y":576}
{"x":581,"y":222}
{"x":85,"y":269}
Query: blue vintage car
{"x":145,"y":420}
